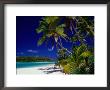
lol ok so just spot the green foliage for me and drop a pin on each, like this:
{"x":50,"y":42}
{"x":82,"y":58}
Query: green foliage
{"x":77,"y":51}
{"x":69,"y":68}
{"x":41,"y":40}
{"x":74,"y":39}
{"x":86,"y":25}
{"x":50,"y":29}
{"x":59,"y":30}
{"x":80,"y":62}
{"x":86,"y":54}
{"x":62,"y":53}
{"x":32,"y":59}
{"x":50,"y":19}
{"x":81,"y":58}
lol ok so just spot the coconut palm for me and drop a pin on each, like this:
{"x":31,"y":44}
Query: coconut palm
{"x":50,"y":29}
{"x":85,"y":55}
{"x":81,"y":26}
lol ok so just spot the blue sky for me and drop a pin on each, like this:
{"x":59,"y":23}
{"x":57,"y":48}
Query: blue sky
{"x":26,"y":38}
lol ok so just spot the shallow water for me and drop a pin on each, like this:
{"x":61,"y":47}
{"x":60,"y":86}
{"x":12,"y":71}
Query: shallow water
{"x":32,"y":64}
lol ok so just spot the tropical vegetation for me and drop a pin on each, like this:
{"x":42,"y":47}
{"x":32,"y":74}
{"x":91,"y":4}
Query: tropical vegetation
{"x":32,"y":59}
{"x":76,"y":30}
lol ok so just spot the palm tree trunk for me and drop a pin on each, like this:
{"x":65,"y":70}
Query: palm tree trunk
{"x":60,"y":44}
{"x":65,"y":48}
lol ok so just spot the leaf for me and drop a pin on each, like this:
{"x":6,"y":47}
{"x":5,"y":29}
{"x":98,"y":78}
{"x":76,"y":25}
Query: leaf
{"x":64,"y":35}
{"x":60,"y":30}
{"x":50,"y":19}
{"x":62,"y":26}
{"x":91,"y":30}
{"x":81,"y":49}
{"x":41,"y":40}
{"x":39,"y":30}
{"x":74,"y":39}
{"x":86,"y":54}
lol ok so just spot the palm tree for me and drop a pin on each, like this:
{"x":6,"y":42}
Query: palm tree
{"x":82,"y":27}
{"x":85,"y":55}
{"x":50,"y":29}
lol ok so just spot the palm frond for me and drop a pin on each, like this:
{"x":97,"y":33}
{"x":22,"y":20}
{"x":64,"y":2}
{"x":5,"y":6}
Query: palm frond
{"x":41,"y":40}
{"x":86,"y":54}
{"x":50,"y":19}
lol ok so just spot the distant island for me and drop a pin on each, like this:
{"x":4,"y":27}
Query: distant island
{"x":32,"y":59}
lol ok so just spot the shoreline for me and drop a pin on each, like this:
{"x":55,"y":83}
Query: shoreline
{"x":45,"y":69}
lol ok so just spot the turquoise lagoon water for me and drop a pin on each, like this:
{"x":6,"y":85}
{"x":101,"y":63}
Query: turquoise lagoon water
{"x":31,"y":64}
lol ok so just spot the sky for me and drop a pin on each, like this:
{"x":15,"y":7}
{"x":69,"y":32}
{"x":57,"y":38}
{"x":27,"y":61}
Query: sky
{"x":26,"y":38}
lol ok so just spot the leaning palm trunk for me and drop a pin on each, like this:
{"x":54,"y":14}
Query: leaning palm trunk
{"x":64,"y":48}
{"x":60,"y":44}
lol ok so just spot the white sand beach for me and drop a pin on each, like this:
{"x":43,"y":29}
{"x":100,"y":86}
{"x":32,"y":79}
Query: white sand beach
{"x":46,"y":69}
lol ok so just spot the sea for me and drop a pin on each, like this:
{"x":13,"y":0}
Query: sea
{"x":32,"y":64}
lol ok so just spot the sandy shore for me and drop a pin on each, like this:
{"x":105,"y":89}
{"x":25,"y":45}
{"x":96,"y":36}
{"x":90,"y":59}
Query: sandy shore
{"x":47,"y":69}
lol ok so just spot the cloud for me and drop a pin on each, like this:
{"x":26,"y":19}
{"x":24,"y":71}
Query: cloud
{"x":32,"y":51}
